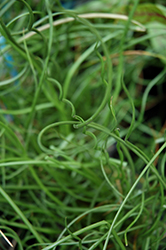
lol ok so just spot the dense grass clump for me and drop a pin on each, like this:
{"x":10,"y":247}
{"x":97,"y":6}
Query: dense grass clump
{"x":82,"y":125}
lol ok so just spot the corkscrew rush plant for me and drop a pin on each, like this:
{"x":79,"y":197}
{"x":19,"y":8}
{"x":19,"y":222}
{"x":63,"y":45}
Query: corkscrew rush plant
{"x":83,"y":159}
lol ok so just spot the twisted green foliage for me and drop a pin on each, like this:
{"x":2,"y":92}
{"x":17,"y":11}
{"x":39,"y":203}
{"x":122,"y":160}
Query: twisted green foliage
{"x":82,"y":164}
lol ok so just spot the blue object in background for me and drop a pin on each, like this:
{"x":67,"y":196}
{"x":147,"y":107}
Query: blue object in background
{"x":8,"y":62}
{"x":68,"y":4}
{"x":72,"y":4}
{"x":8,"y":59}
